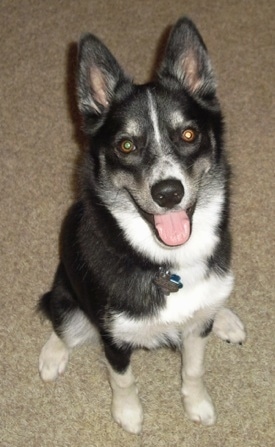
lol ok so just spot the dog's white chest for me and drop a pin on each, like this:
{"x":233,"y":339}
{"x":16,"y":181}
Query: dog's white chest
{"x":166,"y":326}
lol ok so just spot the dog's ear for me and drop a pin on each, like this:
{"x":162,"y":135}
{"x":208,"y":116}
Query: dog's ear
{"x":99,"y":74}
{"x":186,"y":60}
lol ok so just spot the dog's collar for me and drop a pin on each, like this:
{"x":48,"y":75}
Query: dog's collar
{"x":167,"y":281}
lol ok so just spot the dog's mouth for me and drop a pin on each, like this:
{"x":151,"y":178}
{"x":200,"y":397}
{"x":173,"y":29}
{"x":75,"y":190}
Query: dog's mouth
{"x":173,"y":228}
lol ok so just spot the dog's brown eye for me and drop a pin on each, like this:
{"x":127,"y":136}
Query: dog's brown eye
{"x":126,"y":146}
{"x":188,"y":135}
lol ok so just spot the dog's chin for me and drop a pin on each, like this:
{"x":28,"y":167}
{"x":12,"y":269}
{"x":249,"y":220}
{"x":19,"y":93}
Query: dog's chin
{"x":178,"y":222}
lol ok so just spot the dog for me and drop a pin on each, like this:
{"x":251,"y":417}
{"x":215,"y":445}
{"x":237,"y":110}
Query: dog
{"x":145,"y":250}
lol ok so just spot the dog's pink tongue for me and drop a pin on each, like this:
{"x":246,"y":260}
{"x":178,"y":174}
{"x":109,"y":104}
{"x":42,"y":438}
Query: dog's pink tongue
{"x":173,"y":228}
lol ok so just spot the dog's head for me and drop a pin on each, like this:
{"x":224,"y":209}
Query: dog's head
{"x":155,"y":147}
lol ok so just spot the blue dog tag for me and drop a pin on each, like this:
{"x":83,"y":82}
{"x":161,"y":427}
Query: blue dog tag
{"x":176,"y":279}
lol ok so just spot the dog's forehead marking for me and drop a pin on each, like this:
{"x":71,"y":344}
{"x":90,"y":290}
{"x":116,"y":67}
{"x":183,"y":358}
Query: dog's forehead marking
{"x":176,"y":118}
{"x":154,"y":117}
{"x":133,"y":127}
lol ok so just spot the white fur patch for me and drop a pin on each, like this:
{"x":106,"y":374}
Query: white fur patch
{"x":154,"y":118}
{"x":133,"y":128}
{"x":207,"y":295}
{"x":200,"y":245}
{"x":176,"y":118}
{"x":53,"y":358}
{"x":197,"y":402}
{"x":77,"y":330}
{"x":126,"y":406}
{"x":147,"y":333}
{"x":229,"y":327}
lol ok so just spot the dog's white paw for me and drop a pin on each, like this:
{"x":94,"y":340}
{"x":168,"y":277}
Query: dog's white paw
{"x":229,"y":327}
{"x":127,"y":409}
{"x":201,"y":412}
{"x":198,"y":405}
{"x":53,"y":358}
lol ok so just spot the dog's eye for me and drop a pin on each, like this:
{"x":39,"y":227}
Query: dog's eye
{"x":126,"y":146}
{"x":189,"y":135}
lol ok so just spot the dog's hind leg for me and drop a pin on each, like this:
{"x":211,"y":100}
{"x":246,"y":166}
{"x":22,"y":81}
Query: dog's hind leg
{"x":126,"y":407}
{"x":71,"y":328}
{"x":228,"y":326}
{"x":197,"y":402}
{"x":53,"y":358}
{"x":55,"y":353}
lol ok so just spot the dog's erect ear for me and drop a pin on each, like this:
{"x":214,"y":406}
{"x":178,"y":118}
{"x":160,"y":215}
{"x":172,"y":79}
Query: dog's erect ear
{"x":187,"y":60}
{"x":98,"y":76}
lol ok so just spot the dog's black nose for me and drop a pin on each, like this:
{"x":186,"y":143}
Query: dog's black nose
{"x":167,"y":193}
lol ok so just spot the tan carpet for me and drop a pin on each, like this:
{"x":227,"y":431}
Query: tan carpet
{"x":39,"y":147}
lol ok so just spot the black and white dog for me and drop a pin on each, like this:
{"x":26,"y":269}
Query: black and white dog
{"x":145,"y":251}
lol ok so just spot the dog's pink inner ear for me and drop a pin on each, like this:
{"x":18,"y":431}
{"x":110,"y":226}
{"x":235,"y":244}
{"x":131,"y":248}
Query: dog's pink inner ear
{"x":190,"y":72}
{"x":99,"y":86}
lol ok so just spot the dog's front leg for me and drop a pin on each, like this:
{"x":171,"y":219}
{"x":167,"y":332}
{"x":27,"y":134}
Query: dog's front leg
{"x":126,"y":406}
{"x":197,"y":402}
